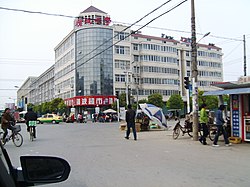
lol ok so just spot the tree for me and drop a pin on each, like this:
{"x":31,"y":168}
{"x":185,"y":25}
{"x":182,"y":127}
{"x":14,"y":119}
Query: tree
{"x":38,"y":109}
{"x":142,"y":101}
{"x":45,"y":108}
{"x":227,"y":100}
{"x":62,"y":106}
{"x":57,"y":105}
{"x":210,"y":100}
{"x":156,"y":99}
{"x":175,"y":102}
{"x":122,"y":101}
{"x":30,"y":105}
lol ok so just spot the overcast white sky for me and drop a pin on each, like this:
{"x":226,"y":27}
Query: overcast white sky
{"x":27,"y":41}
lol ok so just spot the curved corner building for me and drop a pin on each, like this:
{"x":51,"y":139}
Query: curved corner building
{"x":84,"y":62}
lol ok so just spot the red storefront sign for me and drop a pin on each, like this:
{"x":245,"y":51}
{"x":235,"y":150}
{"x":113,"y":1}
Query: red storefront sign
{"x":80,"y":21}
{"x":90,"y":100}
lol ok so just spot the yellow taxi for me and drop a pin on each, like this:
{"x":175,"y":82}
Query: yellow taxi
{"x":50,"y":118}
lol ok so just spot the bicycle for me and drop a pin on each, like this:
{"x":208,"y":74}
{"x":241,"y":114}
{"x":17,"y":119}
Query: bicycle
{"x":32,"y":125}
{"x":178,"y":128}
{"x":15,"y":136}
{"x":212,"y":130}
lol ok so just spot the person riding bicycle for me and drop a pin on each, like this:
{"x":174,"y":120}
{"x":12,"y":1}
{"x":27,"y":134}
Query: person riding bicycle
{"x":31,"y":116}
{"x":6,"y":121}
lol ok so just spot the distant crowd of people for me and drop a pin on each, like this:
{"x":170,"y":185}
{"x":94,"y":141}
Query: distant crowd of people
{"x":80,"y":118}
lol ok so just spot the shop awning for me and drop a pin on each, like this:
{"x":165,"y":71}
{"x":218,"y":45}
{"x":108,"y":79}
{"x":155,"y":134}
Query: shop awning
{"x":228,"y":91}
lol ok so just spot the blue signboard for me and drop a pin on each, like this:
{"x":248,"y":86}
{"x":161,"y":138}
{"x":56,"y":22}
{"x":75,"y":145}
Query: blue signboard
{"x":235,"y":116}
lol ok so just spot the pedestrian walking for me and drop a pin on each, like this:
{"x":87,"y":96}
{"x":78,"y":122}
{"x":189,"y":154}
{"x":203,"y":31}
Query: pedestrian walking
{"x":130,"y":119}
{"x":203,"y":122}
{"x":220,"y":127}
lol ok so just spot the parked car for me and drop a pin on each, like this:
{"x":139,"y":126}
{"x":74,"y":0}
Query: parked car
{"x":34,"y":170}
{"x":50,"y":118}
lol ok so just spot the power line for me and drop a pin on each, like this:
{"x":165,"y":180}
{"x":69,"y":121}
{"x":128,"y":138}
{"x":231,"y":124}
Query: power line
{"x":134,"y":24}
{"x":231,"y":51}
{"x":127,"y":28}
{"x":182,"y":31}
{"x":130,"y":33}
{"x":24,"y":63}
{"x":26,"y":11}
{"x":25,"y":59}
{"x":35,"y":12}
{"x":20,"y":80}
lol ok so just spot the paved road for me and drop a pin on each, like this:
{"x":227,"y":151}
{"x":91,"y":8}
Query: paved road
{"x":101,"y":157}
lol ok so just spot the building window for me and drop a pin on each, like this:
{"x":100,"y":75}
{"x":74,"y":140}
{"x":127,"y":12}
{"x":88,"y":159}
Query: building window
{"x":119,"y":49}
{"x":135,"y":47}
{"x":122,"y":64}
{"x":136,"y":58}
{"x":121,"y":35}
{"x":119,"y":78}
{"x":122,"y":50}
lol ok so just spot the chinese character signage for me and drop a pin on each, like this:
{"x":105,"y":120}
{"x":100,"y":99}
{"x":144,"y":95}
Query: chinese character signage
{"x":235,"y":116}
{"x":80,"y":21}
{"x":90,"y":100}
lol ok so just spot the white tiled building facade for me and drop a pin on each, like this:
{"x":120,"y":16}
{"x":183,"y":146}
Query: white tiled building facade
{"x":159,"y":64}
{"x":145,"y":64}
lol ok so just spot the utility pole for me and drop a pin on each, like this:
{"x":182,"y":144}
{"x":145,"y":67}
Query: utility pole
{"x":245,"y":58}
{"x":194,"y":73}
{"x":127,"y":101}
{"x":118,"y":105}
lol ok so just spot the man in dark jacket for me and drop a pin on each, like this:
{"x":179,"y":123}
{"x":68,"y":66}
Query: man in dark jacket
{"x":219,"y":123}
{"x":130,"y":119}
{"x":30,"y":116}
{"x":5,"y":122}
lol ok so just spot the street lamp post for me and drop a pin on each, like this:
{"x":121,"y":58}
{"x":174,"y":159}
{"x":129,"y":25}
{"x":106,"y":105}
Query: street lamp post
{"x":127,"y":85}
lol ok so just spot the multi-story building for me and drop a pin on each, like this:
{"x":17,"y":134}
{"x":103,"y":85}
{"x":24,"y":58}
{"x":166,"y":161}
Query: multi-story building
{"x":149,"y":64}
{"x":23,"y":93}
{"x":84,"y":62}
{"x":97,"y":59}
{"x":42,"y":88}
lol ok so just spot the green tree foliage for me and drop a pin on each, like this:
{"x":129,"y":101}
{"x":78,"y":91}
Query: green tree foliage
{"x":122,"y":101}
{"x":61,"y":106}
{"x":175,"y":102}
{"x":45,"y":108}
{"x":156,"y":99}
{"x":30,"y":105}
{"x":143,"y":101}
{"x":37,"y":108}
{"x":211,"y":101}
{"x":55,"y":106}
{"x":227,"y":100}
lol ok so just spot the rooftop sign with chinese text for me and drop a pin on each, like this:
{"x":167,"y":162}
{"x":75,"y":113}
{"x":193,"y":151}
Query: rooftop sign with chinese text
{"x":80,"y":21}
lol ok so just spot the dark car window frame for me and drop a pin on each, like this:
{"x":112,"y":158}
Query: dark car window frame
{"x":6,"y":169}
